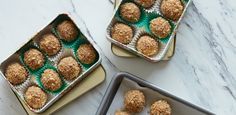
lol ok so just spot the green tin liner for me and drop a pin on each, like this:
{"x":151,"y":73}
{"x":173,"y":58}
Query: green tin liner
{"x":152,"y":16}
{"x":38,"y":80}
{"x":141,"y":20}
{"x":59,"y":20}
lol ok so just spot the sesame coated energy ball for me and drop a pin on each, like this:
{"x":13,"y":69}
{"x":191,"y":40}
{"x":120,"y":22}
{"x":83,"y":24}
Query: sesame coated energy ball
{"x":34,"y":58}
{"x":160,"y":107}
{"x":147,"y":45}
{"x":145,"y":3}
{"x":35,"y":97}
{"x":69,"y":68}
{"x":50,"y":44}
{"x":172,"y":9}
{"x":51,"y":80}
{"x":122,"y":113}
{"x":122,"y":33}
{"x":16,"y":73}
{"x":86,"y":53}
{"x":160,"y":27}
{"x":134,"y":101}
{"x":130,"y":12}
{"x":67,"y":30}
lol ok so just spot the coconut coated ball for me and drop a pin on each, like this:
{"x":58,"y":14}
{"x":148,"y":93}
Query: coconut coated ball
{"x":50,"y":44}
{"x":16,"y":73}
{"x":35,"y":97}
{"x":86,"y":53}
{"x":160,"y":27}
{"x":67,"y":30}
{"x":69,"y":68}
{"x":134,"y":101}
{"x":147,"y":45}
{"x":34,"y":59}
{"x":172,"y":9}
{"x":160,"y":107}
{"x":122,"y":33}
{"x":130,"y":12}
{"x":51,"y":80}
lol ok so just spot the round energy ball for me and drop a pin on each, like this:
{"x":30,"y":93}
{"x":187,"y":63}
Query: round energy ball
{"x":50,"y":44}
{"x":160,"y":27}
{"x":86,"y":53}
{"x":69,"y":68}
{"x":122,"y":33}
{"x":134,"y":101}
{"x":51,"y":80}
{"x":34,"y":59}
{"x":122,"y":113}
{"x":130,"y":12}
{"x":16,"y":73}
{"x":147,"y":45}
{"x":145,"y":3}
{"x":35,"y":97}
{"x":172,"y":9}
{"x":67,"y":30}
{"x":160,"y":107}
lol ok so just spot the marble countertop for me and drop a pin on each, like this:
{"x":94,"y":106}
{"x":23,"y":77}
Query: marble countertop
{"x":202,"y":70}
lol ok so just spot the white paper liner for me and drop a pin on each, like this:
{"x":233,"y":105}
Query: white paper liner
{"x":68,"y":53}
{"x":38,"y":37}
{"x":151,"y":96}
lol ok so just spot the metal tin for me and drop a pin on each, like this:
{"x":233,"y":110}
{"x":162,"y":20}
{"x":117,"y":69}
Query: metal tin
{"x":164,"y":46}
{"x":19,"y":90}
{"x":116,"y":82}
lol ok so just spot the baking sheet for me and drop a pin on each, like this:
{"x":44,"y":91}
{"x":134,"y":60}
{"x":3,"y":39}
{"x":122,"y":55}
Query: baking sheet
{"x":151,"y":96}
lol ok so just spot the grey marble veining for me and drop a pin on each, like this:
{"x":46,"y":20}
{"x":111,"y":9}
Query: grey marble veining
{"x":202,"y":70}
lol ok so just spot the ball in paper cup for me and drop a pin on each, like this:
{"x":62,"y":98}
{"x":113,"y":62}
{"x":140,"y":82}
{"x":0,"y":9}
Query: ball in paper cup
{"x":122,"y":33}
{"x":147,"y":45}
{"x":67,"y":30}
{"x":51,"y":80}
{"x":86,"y":53}
{"x":50,"y":44}
{"x":172,"y":9}
{"x":34,"y":59}
{"x":35,"y":97}
{"x":160,"y":27}
{"x":69,"y":68}
{"x":130,"y":12}
{"x":16,"y":73}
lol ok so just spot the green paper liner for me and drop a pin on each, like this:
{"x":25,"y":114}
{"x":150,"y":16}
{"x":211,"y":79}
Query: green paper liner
{"x":39,"y":82}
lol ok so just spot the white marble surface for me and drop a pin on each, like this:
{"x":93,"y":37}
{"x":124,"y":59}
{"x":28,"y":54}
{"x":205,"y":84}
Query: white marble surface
{"x":202,"y":70}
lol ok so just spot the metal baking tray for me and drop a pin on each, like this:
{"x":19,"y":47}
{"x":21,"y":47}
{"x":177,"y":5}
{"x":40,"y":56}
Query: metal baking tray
{"x":164,"y":44}
{"x":52,"y":98}
{"x":184,"y":107}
